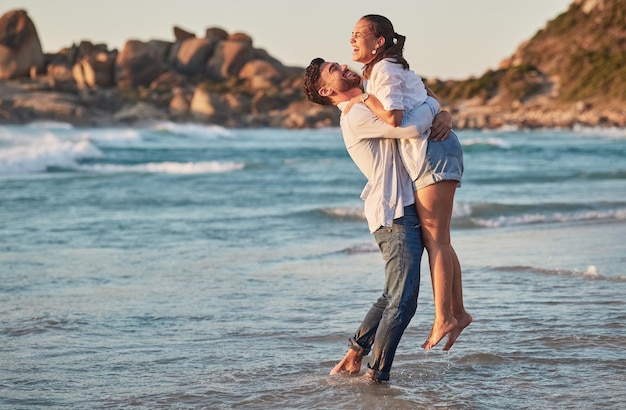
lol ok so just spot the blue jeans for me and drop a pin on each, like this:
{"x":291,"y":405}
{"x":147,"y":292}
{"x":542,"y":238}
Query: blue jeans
{"x":385,"y":322}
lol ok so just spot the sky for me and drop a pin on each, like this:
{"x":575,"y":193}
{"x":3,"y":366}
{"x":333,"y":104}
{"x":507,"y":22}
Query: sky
{"x":446,"y":39}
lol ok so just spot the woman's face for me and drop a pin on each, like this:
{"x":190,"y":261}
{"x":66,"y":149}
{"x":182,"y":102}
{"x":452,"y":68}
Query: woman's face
{"x":363,"y":41}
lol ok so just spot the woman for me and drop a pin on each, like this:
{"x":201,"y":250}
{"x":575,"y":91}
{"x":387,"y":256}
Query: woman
{"x":436,"y":167}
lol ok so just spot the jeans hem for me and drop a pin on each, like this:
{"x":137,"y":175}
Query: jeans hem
{"x":376,"y":375}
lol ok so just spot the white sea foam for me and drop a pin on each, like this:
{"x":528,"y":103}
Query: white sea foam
{"x":188,"y":168}
{"x":50,"y":125}
{"x":496,"y":142}
{"x":38,"y":154}
{"x":194,"y":130}
{"x":611,"y":132}
{"x":528,"y":219}
{"x":345,"y":212}
{"x":591,"y":272}
{"x":114,"y":137}
{"x":461,"y":210}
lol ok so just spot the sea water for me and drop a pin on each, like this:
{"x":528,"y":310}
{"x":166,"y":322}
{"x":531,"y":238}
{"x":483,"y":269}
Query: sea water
{"x":190,"y":266}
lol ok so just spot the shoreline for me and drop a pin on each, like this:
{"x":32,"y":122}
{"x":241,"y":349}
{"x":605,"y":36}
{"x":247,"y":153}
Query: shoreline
{"x":25,"y":101}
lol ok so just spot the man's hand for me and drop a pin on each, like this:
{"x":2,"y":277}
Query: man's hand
{"x":442,"y":125}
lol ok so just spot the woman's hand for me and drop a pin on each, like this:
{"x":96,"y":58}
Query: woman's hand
{"x":442,"y":125}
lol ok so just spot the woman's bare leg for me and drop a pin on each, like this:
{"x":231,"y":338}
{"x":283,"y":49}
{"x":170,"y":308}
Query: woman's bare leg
{"x":458,"y":309}
{"x":434,"y":208}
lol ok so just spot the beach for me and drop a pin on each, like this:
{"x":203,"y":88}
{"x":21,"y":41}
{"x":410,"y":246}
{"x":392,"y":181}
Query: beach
{"x":193,"y":266}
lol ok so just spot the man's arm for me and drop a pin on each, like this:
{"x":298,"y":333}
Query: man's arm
{"x":364,"y":124}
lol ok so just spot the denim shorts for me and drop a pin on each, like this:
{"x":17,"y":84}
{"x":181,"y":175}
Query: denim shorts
{"x":443,"y":162}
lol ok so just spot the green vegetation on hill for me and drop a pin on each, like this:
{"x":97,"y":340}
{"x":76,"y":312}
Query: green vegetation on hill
{"x":592,"y":74}
{"x":581,"y":53}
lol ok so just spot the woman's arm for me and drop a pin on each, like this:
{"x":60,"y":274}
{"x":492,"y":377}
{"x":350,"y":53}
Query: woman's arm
{"x":391,"y":117}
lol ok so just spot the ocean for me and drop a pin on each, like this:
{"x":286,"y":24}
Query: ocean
{"x":193,"y":266}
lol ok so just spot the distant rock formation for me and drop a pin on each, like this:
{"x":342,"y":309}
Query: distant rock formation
{"x":218,"y":78}
{"x":571,"y":72}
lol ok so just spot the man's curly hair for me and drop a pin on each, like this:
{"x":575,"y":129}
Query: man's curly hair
{"x":311,"y":82}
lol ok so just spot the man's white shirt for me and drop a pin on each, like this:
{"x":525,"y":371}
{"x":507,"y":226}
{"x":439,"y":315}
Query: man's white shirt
{"x":372,"y":146}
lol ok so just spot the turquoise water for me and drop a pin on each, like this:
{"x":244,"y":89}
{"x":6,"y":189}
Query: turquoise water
{"x":189,"y":266}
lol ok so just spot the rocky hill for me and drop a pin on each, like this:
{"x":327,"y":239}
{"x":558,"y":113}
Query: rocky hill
{"x":573,"y":71}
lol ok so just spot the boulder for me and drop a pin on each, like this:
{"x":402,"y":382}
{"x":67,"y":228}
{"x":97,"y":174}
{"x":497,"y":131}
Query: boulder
{"x":260,"y":74}
{"x":60,"y":76}
{"x":169,"y":80}
{"x":182,"y":34}
{"x":95,"y":70}
{"x":138,"y":64}
{"x":209,"y":106}
{"x":180,"y":102}
{"x":242,"y":37}
{"x":192,"y":55}
{"x":265,"y":102}
{"x":20,"y":48}
{"x":216,"y":34}
{"x":238,"y":104}
{"x":228,"y":58}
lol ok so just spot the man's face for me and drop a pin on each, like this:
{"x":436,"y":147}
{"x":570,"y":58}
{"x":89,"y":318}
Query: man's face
{"x":337,"y":77}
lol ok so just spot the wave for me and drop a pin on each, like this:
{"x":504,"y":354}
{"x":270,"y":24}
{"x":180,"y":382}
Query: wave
{"x":485,"y":143}
{"x":177,"y":168}
{"x":366,"y":248}
{"x":591,"y":272}
{"x":558,"y":217}
{"x":460,"y":210}
{"x":50,"y":125}
{"x":193,"y":130}
{"x":610,"y":132}
{"x":493,"y":215}
{"x":48,"y":152}
{"x":119,"y":138}
{"x":346,"y":213}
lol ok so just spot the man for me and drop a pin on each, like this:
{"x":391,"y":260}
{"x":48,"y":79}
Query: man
{"x":389,"y":210}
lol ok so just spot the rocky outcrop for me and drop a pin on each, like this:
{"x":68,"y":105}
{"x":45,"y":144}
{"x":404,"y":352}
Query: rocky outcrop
{"x":219,"y":78}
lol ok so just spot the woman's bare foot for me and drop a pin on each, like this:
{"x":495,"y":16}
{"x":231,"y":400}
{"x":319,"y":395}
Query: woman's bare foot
{"x":351,"y":363}
{"x":454,"y":333}
{"x":438,"y":332}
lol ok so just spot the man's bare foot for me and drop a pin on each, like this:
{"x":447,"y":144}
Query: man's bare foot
{"x":438,"y":331}
{"x":351,"y":363}
{"x":454,"y":333}
{"x":369,"y":376}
